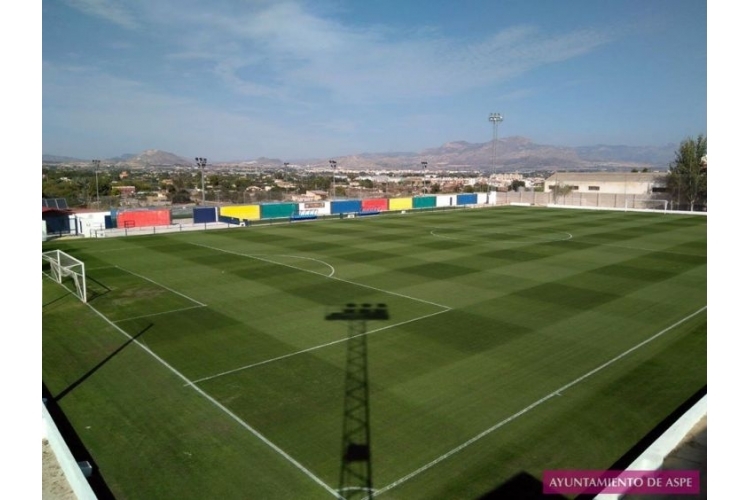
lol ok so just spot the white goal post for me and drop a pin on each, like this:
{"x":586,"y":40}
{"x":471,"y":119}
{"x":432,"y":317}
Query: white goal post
{"x":646,"y":204}
{"x":63,"y":266}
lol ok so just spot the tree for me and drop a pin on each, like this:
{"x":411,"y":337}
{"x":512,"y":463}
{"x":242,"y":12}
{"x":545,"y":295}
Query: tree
{"x":560,"y":190}
{"x":687,"y":180}
{"x":516,"y":184}
{"x":180,"y":197}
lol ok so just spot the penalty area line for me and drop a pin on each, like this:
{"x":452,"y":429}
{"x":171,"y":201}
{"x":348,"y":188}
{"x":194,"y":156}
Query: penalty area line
{"x":314,"y":348}
{"x":533,"y":405}
{"x":223,"y":408}
{"x":162,"y":286}
{"x":159,"y":313}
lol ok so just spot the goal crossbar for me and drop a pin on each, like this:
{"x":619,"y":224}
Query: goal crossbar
{"x":63,"y":265}
{"x":646,"y":204}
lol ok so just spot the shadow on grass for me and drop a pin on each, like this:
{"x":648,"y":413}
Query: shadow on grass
{"x":100,"y":291}
{"x":75,"y":445}
{"x":93,"y":370}
{"x":522,"y":486}
{"x":355,"y":476}
{"x":53,"y":301}
{"x":629,"y":457}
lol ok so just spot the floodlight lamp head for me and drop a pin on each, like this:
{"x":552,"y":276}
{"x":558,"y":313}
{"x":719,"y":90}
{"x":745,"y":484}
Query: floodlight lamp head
{"x":496,"y":117}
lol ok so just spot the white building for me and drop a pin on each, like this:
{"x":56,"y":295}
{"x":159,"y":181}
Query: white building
{"x":629,"y":183}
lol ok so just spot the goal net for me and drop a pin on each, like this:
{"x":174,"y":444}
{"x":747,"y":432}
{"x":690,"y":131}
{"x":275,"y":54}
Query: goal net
{"x":646,"y":204}
{"x":64,"y":267}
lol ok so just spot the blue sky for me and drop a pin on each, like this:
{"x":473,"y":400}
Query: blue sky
{"x":235,"y":79}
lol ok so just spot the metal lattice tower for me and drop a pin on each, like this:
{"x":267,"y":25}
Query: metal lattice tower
{"x":201,"y":163}
{"x":355,"y":478}
{"x":495,"y":118}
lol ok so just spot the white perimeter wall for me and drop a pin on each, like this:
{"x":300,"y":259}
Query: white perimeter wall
{"x":68,"y":464}
{"x":446,"y":200}
{"x":312,"y":207}
{"x":88,"y":223}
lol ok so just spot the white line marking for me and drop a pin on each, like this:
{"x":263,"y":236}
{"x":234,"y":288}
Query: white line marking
{"x":552,"y":394}
{"x":333,"y":269}
{"x":164,"y":287}
{"x":100,"y":268}
{"x":391,"y":293}
{"x":223,"y":408}
{"x":533,"y":237}
{"x":109,"y":250}
{"x":435,"y":234}
{"x":314,"y":348}
{"x":330,"y":276}
{"x":321,"y":274}
{"x":159,"y":313}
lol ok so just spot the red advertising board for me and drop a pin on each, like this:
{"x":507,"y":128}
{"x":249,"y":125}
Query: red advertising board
{"x":374,"y":204}
{"x":141,"y":218}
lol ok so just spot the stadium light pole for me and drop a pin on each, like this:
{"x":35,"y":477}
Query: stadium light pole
{"x":424,"y":178}
{"x":201,"y":162}
{"x":495,"y":118}
{"x":96,"y":164}
{"x":333,"y":167}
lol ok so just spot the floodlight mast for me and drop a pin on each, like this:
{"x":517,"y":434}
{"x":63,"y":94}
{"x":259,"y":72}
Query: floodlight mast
{"x":333,"y":167}
{"x":424,"y":178}
{"x":495,"y":118}
{"x":201,"y":163}
{"x":96,"y":164}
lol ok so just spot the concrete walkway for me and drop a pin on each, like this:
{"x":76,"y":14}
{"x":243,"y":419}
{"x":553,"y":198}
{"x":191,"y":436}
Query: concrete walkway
{"x":690,"y":454}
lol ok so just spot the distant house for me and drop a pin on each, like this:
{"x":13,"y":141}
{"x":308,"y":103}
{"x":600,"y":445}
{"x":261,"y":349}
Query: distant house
{"x":124,"y":191}
{"x":630,"y":183}
{"x":309,"y":196}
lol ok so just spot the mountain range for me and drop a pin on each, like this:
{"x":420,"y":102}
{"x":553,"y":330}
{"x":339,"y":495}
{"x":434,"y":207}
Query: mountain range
{"x":509,"y":154}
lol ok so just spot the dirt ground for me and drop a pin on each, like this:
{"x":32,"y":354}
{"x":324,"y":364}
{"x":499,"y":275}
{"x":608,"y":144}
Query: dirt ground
{"x":690,"y":454}
{"x":54,"y":484}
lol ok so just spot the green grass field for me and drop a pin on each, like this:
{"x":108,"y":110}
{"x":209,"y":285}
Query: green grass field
{"x":519,"y":340}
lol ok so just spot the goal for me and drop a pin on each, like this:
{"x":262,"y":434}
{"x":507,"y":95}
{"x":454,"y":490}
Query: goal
{"x":63,"y":266}
{"x":646,"y":204}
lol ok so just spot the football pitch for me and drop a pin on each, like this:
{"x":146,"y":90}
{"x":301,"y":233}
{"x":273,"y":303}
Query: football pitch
{"x":518,"y":339}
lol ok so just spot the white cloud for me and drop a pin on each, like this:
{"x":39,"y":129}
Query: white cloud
{"x":106,"y":9}
{"x":301,"y":50}
{"x":276,"y":71}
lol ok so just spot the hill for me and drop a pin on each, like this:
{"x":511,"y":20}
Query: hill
{"x":510,"y":154}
